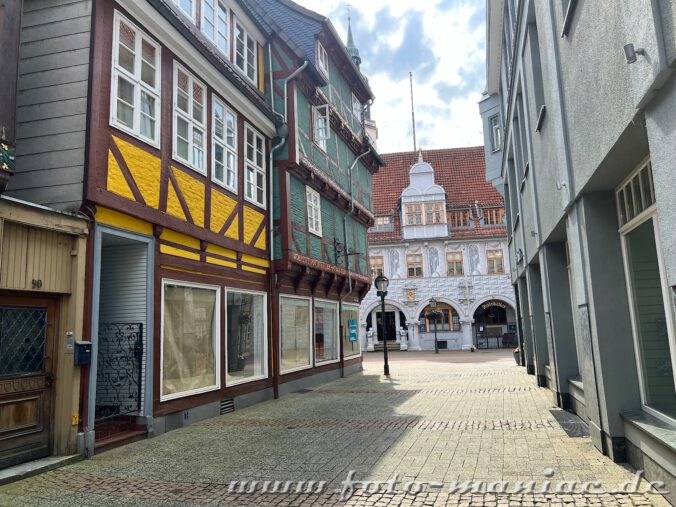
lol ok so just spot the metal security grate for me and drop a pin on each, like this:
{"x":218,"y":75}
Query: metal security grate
{"x":23,"y":334}
{"x":227,"y":406}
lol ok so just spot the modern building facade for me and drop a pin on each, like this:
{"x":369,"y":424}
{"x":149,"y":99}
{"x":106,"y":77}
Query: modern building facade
{"x":157,"y":120}
{"x":439,"y":233}
{"x":584,"y":97}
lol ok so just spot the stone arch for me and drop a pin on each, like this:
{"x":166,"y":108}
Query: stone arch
{"x":376,"y":305}
{"x":483,"y":300}
{"x":455,"y":305}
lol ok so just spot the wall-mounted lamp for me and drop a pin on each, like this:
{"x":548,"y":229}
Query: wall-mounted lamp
{"x":630,"y":52}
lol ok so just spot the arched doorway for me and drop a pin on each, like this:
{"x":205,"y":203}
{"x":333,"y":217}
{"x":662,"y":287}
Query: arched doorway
{"x":495,"y":325}
{"x":394,"y":319}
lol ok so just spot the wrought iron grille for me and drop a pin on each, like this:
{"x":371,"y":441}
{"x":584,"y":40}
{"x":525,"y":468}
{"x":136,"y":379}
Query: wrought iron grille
{"x":119,"y":372}
{"x":23,"y":335}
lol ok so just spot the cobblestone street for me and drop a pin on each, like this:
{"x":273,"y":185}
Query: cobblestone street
{"x":437,"y":421}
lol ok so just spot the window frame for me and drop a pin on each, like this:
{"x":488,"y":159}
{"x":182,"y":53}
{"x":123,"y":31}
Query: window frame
{"x":435,"y":210}
{"x":377,"y":262}
{"x":258,"y":170}
{"x":418,"y":212}
{"x":238,"y":25}
{"x":266,"y":352}
{"x":192,"y":15}
{"x":314,"y":211}
{"x":322,"y":60}
{"x":464,"y":213}
{"x":496,"y":132}
{"x":321,"y":140}
{"x":214,"y":141}
{"x":217,"y":4}
{"x":491,"y":256}
{"x":311,"y":342}
{"x":492,"y":216}
{"x":189,"y":118}
{"x":346,"y":328}
{"x":136,"y":80}
{"x":416,"y":266}
{"x":452,"y":259}
{"x":217,"y":339}
{"x":314,"y":332}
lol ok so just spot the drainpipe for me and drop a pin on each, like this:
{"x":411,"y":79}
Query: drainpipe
{"x":283,"y":134}
{"x":347,"y":257}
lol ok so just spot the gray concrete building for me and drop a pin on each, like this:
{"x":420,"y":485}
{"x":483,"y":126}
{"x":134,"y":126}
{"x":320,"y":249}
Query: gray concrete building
{"x":586,"y":95}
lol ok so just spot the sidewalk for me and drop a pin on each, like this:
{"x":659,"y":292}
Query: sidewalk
{"x":439,"y":420}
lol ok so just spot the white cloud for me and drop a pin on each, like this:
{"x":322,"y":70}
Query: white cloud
{"x":447,"y":122}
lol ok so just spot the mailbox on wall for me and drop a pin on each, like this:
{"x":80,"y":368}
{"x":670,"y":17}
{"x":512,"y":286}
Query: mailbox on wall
{"x":83,"y":353}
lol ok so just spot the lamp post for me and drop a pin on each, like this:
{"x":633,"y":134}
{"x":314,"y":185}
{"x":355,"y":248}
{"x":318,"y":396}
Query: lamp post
{"x":381,"y":282}
{"x":433,"y":305}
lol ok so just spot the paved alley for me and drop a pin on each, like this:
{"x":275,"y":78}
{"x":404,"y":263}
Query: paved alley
{"x":412,"y":440}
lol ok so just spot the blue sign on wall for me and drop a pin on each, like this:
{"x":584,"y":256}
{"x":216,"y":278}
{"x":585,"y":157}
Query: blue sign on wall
{"x":352,"y":325}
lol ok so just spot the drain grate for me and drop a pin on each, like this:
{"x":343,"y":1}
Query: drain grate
{"x":227,"y":406}
{"x":571,"y":424}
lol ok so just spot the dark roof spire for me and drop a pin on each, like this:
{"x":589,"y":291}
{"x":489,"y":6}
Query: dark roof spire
{"x":351,"y":48}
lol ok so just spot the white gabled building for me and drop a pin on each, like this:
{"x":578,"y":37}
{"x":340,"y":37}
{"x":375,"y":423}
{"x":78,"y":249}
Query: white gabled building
{"x":439,"y":233}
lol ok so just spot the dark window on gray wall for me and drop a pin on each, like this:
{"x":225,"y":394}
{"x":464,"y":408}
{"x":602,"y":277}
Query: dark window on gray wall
{"x":536,"y":66}
{"x":496,"y":132}
{"x":568,"y":14}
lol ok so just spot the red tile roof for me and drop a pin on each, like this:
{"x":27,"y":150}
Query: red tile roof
{"x":462,"y":173}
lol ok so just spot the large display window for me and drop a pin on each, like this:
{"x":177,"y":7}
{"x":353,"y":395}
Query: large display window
{"x":350,"y":335}
{"x":190,"y":339}
{"x":295,"y":333}
{"x":326,"y":331}
{"x":246,"y":331}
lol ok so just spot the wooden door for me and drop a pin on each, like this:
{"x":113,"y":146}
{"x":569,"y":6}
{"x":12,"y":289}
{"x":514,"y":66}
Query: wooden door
{"x":27,"y":327}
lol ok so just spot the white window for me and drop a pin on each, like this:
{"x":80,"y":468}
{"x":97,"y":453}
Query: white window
{"x":190,"y":339}
{"x":188,"y":7}
{"x":322,"y":59}
{"x":254,"y":181}
{"x":224,"y":146}
{"x":314,"y":211}
{"x":215,"y":23}
{"x":245,"y":53}
{"x":135,"y":90}
{"x":322,"y":130}
{"x":189,"y":119}
{"x":496,"y":132}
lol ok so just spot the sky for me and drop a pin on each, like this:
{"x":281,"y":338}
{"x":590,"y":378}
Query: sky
{"x":442,"y":42}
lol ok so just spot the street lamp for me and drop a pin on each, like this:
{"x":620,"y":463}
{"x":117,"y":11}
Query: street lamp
{"x":434,"y":315}
{"x":381,"y":282}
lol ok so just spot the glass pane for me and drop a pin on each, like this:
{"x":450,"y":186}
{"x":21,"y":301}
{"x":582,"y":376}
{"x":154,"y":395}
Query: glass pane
{"x":326,"y":331}
{"x":647,"y":190}
{"x":651,"y":322}
{"x":147,"y":127}
{"x":231,"y":170}
{"x":350,"y":336}
{"x":218,"y":171}
{"x":230,"y":121}
{"x":126,"y":59}
{"x":125,"y":90}
{"x":197,"y":148}
{"x":189,"y":333}
{"x":636,"y":185}
{"x":629,"y":196}
{"x":125,"y":114}
{"x":186,"y":5}
{"x":245,"y":336}
{"x":148,"y":74}
{"x":182,"y":101}
{"x":182,"y":148}
{"x":23,"y":334}
{"x":295,"y":333}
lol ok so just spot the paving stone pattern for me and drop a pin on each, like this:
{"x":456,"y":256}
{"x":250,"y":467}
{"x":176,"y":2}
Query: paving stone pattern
{"x":438,"y":421}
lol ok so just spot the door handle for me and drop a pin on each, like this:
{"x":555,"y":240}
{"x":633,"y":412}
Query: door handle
{"x":49,"y":379}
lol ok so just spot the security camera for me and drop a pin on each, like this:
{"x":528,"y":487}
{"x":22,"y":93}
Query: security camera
{"x":630,"y":52}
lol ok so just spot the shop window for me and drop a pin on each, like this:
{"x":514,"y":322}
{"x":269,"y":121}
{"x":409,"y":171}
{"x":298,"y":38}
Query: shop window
{"x":350,"y":325}
{"x":326,"y":331}
{"x":295,"y":334}
{"x":254,"y":183}
{"x":448,"y":319}
{"x":190,"y":339}
{"x":454,"y":263}
{"x":135,"y":85}
{"x":495,"y":262}
{"x":377,"y":265}
{"x":246,"y":343}
{"x":414,"y":265}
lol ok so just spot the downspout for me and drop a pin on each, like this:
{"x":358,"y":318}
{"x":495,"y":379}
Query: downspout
{"x":347,"y":257}
{"x":283,"y":134}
